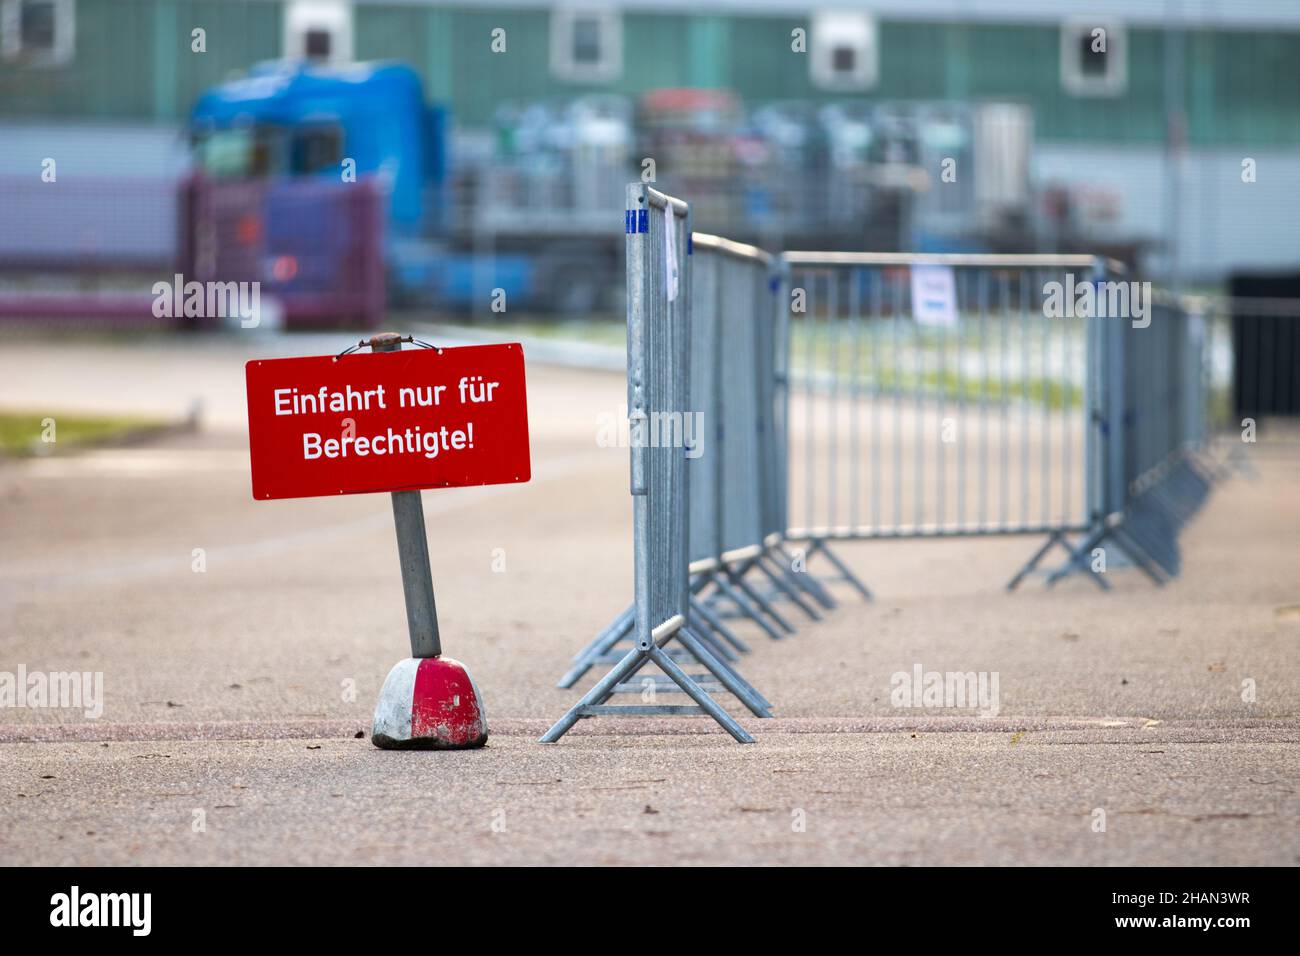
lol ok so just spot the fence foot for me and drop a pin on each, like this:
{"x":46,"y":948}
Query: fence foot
{"x":1078,"y":559}
{"x":619,"y":624}
{"x":604,"y":689}
{"x":586,"y":658}
{"x":1055,"y":538}
{"x":819,"y":545}
{"x":592,"y":703}
{"x":782,"y":587}
{"x":1120,"y":536}
{"x":763,"y":603}
{"x":1147,"y":551}
{"x":715,"y":622}
{"x":805,"y":582}
{"x":724,"y":588}
{"x":744,"y":691}
{"x":707,"y":638}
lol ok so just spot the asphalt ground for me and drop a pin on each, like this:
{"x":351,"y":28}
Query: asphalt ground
{"x":233,"y":696}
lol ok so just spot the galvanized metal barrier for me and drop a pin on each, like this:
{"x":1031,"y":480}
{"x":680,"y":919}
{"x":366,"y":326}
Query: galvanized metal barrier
{"x":937,"y":397}
{"x":661,"y":338}
{"x":734,"y":527}
{"x":878,"y":396}
{"x":951,"y":395}
{"x":731,"y":467}
{"x":1152,"y":413}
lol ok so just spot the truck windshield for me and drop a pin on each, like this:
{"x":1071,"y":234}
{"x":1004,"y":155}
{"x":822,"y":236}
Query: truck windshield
{"x":251,"y":152}
{"x":241,"y":153}
{"x":316,"y":148}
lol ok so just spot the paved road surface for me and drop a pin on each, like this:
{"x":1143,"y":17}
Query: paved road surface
{"x":237,"y":692}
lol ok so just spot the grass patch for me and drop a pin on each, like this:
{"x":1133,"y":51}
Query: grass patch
{"x":25,"y":433}
{"x":990,"y":375}
{"x":949,"y":386}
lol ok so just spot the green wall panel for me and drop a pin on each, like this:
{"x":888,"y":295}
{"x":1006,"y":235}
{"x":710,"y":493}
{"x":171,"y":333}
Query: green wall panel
{"x":239,"y":34}
{"x":133,"y":61}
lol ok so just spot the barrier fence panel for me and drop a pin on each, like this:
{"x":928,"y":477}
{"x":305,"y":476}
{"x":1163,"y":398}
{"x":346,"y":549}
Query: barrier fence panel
{"x":723,"y":300}
{"x":741,"y":472}
{"x":731,"y":344}
{"x":1153,"y":377}
{"x":938,"y":395}
{"x":659,"y":349}
{"x":933,"y":396}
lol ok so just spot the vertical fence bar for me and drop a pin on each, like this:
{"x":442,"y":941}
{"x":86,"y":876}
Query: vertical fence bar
{"x":896,"y":374}
{"x":877,"y":391}
{"x":962,"y":326}
{"x":809,"y":396}
{"x":918,"y":431}
{"x":1004,"y":396}
{"x":1045,"y":455}
{"x":855,"y":317}
{"x":832,"y":399}
{"x":1023,"y":314}
{"x":984,"y":398}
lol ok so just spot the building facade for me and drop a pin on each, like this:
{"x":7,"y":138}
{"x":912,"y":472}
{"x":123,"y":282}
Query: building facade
{"x":1157,"y":124}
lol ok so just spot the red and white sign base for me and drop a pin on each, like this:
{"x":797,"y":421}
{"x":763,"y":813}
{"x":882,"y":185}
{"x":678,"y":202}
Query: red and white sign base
{"x":429,"y":703}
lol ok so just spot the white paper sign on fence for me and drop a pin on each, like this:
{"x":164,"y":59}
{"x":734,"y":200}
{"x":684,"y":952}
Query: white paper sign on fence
{"x":934,"y":295}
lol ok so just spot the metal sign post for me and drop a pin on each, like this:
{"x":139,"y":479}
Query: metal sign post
{"x":435,"y":418}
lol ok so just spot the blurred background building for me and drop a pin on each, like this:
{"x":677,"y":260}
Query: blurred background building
{"x":1162,"y":132}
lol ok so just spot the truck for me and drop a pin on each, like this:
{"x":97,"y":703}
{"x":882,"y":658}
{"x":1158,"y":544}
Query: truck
{"x":334,"y":187}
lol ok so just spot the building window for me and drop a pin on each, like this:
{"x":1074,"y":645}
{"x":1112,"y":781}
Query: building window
{"x":586,"y":45}
{"x":844,"y":50}
{"x":1094,"y":58}
{"x":318,"y":30}
{"x":317,"y":44}
{"x":38,"y":32}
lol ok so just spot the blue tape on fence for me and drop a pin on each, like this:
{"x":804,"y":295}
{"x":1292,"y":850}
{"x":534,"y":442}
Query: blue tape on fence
{"x":628,"y":219}
{"x":690,"y":244}
{"x":643,"y":220}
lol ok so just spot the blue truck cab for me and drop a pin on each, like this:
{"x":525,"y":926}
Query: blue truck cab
{"x":290,"y":122}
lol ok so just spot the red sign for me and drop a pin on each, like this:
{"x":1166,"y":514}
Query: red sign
{"x":387,"y":421}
